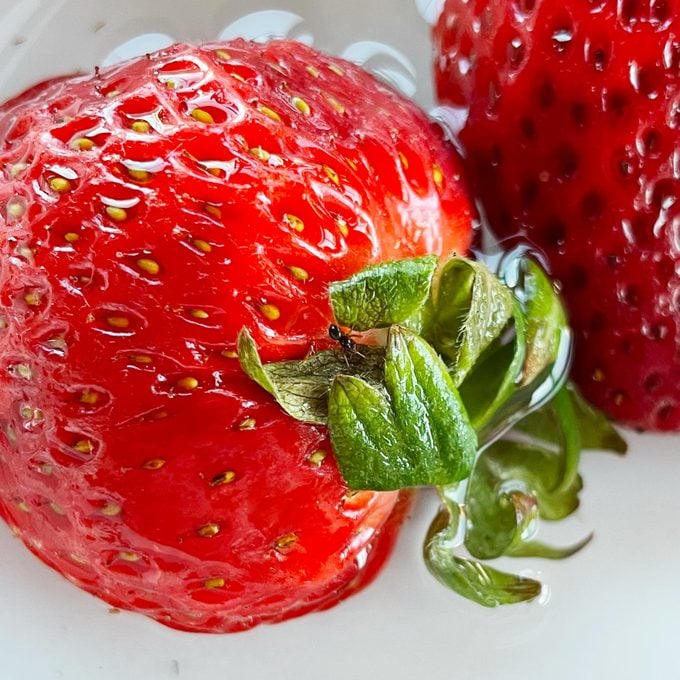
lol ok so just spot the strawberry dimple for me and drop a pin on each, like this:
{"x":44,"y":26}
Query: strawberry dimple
{"x":571,"y":141}
{"x":149,"y":213}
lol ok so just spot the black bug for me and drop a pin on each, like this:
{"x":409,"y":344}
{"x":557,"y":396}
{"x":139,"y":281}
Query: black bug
{"x":345,"y":341}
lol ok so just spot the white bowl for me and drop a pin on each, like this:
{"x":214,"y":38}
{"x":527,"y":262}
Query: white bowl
{"x":611,"y":610}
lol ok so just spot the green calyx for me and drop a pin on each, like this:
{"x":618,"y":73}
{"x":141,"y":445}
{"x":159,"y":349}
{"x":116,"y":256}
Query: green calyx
{"x":467,"y":381}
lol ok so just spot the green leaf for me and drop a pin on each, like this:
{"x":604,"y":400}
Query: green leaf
{"x":301,"y":388}
{"x":413,"y":432}
{"x":428,"y":408}
{"x":539,"y":361}
{"x":471,"y":307}
{"x":533,"y":471}
{"x":383,"y":295}
{"x":547,"y":552}
{"x":509,"y":480}
{"x":495,"y":379}
{"x":365,"y":437}
{"x":595,"y":431}
{"x":471,"y":579}
{"x":546,"y":319}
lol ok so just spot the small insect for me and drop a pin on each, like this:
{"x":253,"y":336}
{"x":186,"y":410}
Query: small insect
{"x":345,"y":341}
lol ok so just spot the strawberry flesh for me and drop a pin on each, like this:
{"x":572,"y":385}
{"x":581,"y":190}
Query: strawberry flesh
{"x":572,"y":139}
{"x":148,"y":213}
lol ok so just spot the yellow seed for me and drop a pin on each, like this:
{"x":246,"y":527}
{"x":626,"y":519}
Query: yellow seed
{"x":139,"y":175}
{"x":23,"y":371}
{"x":15,"y":209}
{"x":16,"y":169}
{"x":202,"y":245}
{"x":216,"y":172}
{"x":238,"y":77}
{"x":188,"y":383}
{"x":142,"y":359}
{"x":438,"y":176}
{"x":22,"y":505}
{"x":129,"y":556}
{"x":301,"y":105}
{"x":213,"y":583}
{"x":598,"y":375}
{"x":404,"y":161}
{"x":299,"y":273}
{"x":154,"y":464}
{"x":208,"y":530}
{"x":342,"y":226}
{"x":213,"y":210}
{"x":352,"y":164}
{"x":331,"y":174}
{"x":116,"y":214}
{"x":336,"y":105}
{"x":60,"y":185}
{"x":32,"y":299}
{"x":170,"y":84}
{"x":148,"y":265}
{"x":271,"y":312}
{"x":314,"y":72}
{"x":229,"y":354}
{"x":82,"y":144}
{"x":247,"y":424}
{"x":112,"y":94}
{"x":89,"y":398}
{"x":202,"y":116}
{"x":141,"y":126}
{"x":78,"y":559}
{"x":260,"y":153}
{"x":56,"y":508}
{"x":112,"y":510}
{"x":199,"y":313}
{"x":294,"y":222}
{"x":46,"y":469}
{"x":270,"y":113}
{"x":222,"y":478}
{"x":618,"y":398}
{"x":71,"y":236}
{"x":336,"y":69}
{"x":223,"y":55}
{"x":286,"y":541}
{"x":83,"y":446}
{"x":118,"y":321}
{"x":317,"y":457}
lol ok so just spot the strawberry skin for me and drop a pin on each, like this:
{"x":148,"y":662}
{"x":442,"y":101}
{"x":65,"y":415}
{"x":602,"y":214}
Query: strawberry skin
{"x":571,"y":139}
{"x":148,"y":213}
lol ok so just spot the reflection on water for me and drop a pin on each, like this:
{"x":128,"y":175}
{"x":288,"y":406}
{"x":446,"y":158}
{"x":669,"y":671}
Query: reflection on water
{"x":385,"y":62}
{"x":268,"y":24}
{"x":137,"y":46}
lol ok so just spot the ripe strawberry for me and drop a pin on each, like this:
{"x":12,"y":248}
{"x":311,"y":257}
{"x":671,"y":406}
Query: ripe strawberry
{"x":148,"y":213}
{"x":572,"y":141}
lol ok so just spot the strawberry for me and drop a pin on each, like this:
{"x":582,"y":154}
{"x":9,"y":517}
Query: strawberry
{"x":569,"y":119}
{"x":148,"y":213}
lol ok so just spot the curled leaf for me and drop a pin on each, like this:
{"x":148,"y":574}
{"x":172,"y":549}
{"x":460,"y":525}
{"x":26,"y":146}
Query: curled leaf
{"x":301,"y":388}
{"x":471,"y":579}
{"x":471,"y":307}
{"x":547,"y":552}
{"x":412,"y":432}
{"x":384,"y":294}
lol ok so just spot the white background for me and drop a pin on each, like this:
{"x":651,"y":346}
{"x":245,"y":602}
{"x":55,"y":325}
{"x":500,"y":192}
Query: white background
{"x":612,"y":611}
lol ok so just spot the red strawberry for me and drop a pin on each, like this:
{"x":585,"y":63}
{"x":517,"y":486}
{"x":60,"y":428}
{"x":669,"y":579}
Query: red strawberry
{"x":148,"y":213}
{"x":572,"y":141}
